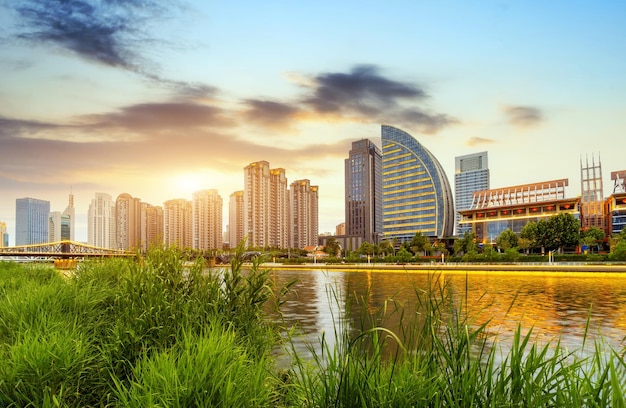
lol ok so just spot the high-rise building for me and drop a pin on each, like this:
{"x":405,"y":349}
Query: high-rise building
{"x":416,"y":192}
{"x":101,"y":222}
{"x":4,"y":235}
{"x":256,"y":197}
{"x":471,"y":174}
{"x":177,"y":229}
{"x":128,"y":222}
{"x":303,"y":214}
{"x":364,"y":192}
{"x":31,"y":221}
{"x":61,"y":224}
{"x":235,"y":219}
{"x":279,"y":209}
{"x":69,"y":216}
{"x":207,"y":220}
{"x":58,"y":226}
{"x":265,"y":205}
{"x":151,"y":226}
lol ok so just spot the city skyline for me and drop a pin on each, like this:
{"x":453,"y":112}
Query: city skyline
{"x":168,"y":99}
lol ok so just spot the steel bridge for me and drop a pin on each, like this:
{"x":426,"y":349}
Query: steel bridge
{"x":59,"y":250}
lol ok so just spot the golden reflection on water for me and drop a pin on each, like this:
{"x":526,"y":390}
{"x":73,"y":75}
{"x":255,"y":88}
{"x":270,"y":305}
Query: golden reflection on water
{"x":552,"y":304}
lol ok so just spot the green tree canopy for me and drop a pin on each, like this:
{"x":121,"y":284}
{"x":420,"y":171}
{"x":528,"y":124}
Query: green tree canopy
{"x":466,"y":245}
{"x":332,"y":247}
{"x":530,"y":232}
{"x":366,"y":248}
{"x":591,"y":237}
{"x":419,"y":243}
{"x":507,"y":240}
{"x":556,"y":232}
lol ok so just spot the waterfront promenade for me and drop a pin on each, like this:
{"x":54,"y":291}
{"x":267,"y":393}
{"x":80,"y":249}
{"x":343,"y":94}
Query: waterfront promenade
{"x":453,"y":266}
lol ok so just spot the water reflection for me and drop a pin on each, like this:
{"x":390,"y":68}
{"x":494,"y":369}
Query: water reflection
{"x":552,"y":304}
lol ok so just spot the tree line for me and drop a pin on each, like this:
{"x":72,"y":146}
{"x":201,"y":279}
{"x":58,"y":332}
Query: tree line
{"x":558,"y":234}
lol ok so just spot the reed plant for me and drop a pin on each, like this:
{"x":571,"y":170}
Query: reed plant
{"x":165,"y":331}
{"x":99,"y":336}
{"x":438,"y":356}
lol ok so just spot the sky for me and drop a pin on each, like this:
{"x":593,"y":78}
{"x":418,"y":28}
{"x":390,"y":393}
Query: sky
{"x":161,"y":98}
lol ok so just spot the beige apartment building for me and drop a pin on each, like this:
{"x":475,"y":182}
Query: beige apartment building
{"x":235,"y":219}
{"x":177,"y":230}
{"x":128,"y":222}
{"x":303,"y":214}
{"x":101,"y":222}
{"x":207,"y":220}
{"x":151,"y":226}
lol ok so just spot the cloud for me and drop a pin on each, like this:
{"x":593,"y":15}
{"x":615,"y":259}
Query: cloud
{"x":109,"y":32}
{"x":362,"y":90}
{"x":162,"y":116}
{"x":523,"y":116}
{"x":98,"y":32}
{"x":478,"y":141}
{"x":362,"y":95}
{"x":269,"y":113}
{"x":139,"y":140}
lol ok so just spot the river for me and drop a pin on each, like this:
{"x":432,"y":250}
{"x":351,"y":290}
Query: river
{"x":563,"y":305}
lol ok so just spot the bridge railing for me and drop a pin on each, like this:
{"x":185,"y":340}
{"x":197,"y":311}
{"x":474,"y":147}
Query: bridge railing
{"x":63,"y":248}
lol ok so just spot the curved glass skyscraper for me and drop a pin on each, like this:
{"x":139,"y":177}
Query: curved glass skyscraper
{"x":416,"y":191}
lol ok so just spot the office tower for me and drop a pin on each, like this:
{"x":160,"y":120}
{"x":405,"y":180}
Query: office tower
{"x":4,"y":235}
{"x":31,"y":221}
{"x":235,"y":219}
{"x":127,"y":222}
{"x":101,"y":222}
{"x":364,"y":192}
{"x":151,"y":226}
{"x":471,"y":174}
{"x":265,"y":205}
{"x":177,"y":230}
{"x":206,"y":220}
{"x":592,"y":195}
{"x":279,"y":209}
{"x":303,"y":214}
{"x":58,"y":226}
{"x":69,"y":217}
{"x":416,"y":192}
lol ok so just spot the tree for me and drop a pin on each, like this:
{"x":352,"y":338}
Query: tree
{"x":366,"y":248}
{"x":591,"y":237}
{"x":466,"y":245}
{"x":523,"y":244}
{"x":564,"y":230}
{"x":530,"y":232}
{"x":419,"y":243}
{"x":332,"y":246}
{"x":556,"y":232}
{"x":507,"y":240}
{"x":386,"y":248}
{"x":403,"y":255}
{"x":618,"y":252}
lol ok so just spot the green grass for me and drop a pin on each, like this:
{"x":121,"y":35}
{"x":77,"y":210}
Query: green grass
{"x":163,"y":332}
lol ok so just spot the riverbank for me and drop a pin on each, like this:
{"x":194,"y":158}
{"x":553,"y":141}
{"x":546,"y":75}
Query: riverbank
{"x":465,"y":267}
{"x":124,"y":333}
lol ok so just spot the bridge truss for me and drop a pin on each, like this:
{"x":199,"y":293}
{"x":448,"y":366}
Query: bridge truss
{"x":59,"y":250}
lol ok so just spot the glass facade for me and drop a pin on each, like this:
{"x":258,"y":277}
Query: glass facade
{"x":471,"y":174}
{"x":416,"y":193}
{"x":31,"y":221}
{"x":363,"y":178}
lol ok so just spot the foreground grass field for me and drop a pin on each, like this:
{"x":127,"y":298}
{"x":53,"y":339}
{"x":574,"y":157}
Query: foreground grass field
{"x":162,"y":332}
